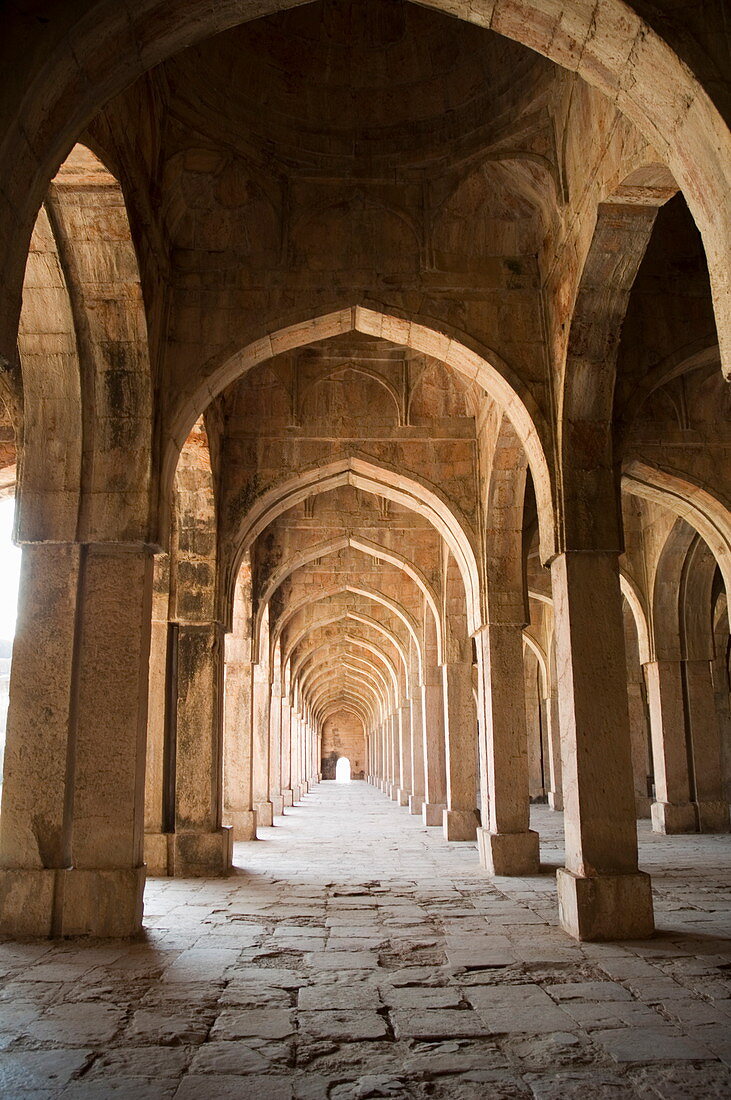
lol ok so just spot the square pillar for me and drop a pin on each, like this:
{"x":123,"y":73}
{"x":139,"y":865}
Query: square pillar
{"x":71,"y":829}
{"x":201,"y":845}
{"x":712,"y":810}
{"x":671,"y":811}
{"x":507,"y":846}
{"x":416,"y":798}
{"x":275,"y":750}
{"x":602,"y":894}
{"x":260,"y":741}
{"x":460,"y":722}
{"x":435,"y":765}
{"x":404,"y":787}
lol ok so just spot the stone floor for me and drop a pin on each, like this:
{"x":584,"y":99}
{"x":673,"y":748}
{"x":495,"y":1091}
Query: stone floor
{"x":356,"y":954}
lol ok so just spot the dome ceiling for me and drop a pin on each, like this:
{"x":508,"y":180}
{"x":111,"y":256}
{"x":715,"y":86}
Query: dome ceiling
{"x":344,"y":87}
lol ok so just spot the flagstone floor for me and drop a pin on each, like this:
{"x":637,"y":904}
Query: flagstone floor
{"x":355,"y":954}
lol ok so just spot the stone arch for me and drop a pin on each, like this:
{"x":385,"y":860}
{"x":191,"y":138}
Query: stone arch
{"x":321,"y":550}
{"x":365,"y":620}
{"x":482,"y":366}
{"x":359,"y":642}
{"x":537,"y":649}
{"x":417,"y":496}
{"x":368,"y":593}
{"x":609,"y":45}
{"x":94,"y":404}
{"x":366,"y":667}
{"x":695,"y":503}
{"x":636,"y":604}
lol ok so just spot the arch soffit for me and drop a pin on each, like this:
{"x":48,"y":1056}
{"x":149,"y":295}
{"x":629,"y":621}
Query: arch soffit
{"x":329,"y":704}
{"x":365,"y":546}
{"x":535,"y":646}
{"x":319,"y":675}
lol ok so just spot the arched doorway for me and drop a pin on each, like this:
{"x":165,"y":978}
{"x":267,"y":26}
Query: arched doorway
{"x":342,"y":770}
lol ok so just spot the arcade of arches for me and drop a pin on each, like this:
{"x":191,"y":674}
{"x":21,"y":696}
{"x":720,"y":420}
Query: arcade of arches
{"x":364,"y":392}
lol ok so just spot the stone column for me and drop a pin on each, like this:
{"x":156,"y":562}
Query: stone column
{"x":260,"y":698}
{"x":237,"y":790}
{"x":460,"y":723}
{"x":404,"y":788}
{"x":71,"y":829}
{"x":201,"y":845}
{"x":602,"y":894}
{"x":275,"y":749}
{"x":387,"y":755}
{"x":158,"y":819}
{"x":507,"y":846}
{"x":286,"y":777}
{"x":549,"y":719}
{"x":638,"y":736}
{"x":435,"y":766}
{"x":296,"y":755}
{"x":385,"y":782}
{"x":395,"y":721}
{"x":416,"y":799}
{"x":711,"y":808}
{"x":671,"y":811}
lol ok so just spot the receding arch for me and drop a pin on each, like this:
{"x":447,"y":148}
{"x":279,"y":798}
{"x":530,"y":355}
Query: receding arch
{"x":367,"y":593}
{"x":319,"y":625}
{"x":484,"y":367}
{"x":379,"y":481}
{"x":365,"y":546}
{"x":694,"y":503}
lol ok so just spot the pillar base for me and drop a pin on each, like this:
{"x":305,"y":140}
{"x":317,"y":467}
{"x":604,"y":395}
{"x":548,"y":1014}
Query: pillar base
{"x":555,"y":800}
{"x":394,"y":792}
{"x":415,"y":805}
{"x":71,"y":901}
{"x":605,"y":907}
{"x":242,"y":823}
{"x":191,"y":855}
{"x":460,"y":824}
{"x":402,"y":796}
{"x":432,"y":813}
{"x":277,"y":805}
{"x":515,"y":854}
{"x":713,"y":817}
{"x":202,"y":855}
{"x":264,"y":813}
{"x":287,"y":797}
{"x":671,"y":817}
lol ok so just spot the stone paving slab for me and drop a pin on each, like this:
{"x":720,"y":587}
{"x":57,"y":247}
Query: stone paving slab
{"x":356,"y":955}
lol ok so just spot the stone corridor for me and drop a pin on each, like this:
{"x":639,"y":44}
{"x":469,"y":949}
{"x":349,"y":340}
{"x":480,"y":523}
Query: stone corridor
{"x":354,"y":953}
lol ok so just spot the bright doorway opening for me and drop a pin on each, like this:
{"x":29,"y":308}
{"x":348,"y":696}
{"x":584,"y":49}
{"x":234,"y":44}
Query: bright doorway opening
{"x":342,"y":770}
